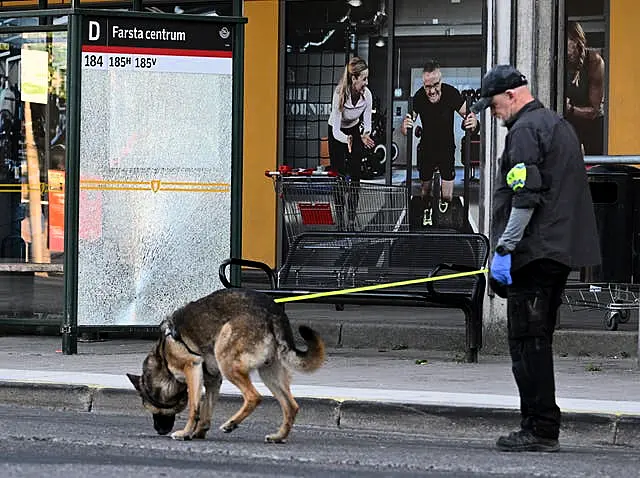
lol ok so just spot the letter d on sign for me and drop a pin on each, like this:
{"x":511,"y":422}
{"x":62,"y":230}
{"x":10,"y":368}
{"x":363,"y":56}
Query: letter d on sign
{"x":94,"y":31}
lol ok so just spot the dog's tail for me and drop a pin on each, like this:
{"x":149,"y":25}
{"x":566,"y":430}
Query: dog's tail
{"x":308,"y":360}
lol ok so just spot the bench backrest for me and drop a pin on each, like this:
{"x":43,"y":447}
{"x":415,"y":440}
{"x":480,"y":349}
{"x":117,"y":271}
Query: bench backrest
{"x":344,"y":260}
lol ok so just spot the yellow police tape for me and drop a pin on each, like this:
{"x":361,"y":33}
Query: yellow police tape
{"x":380,"y":286}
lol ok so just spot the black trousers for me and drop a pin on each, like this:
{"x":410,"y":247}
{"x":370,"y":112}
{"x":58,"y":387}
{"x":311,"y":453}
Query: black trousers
{"x":347,"y":164}
{"x":532,"y":309}
{"x":430,"y":159}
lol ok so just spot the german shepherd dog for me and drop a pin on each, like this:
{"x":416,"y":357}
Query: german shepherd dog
{"x":228,"y":333}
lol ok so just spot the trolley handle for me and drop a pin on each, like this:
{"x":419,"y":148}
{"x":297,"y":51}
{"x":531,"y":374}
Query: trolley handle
{"x":286,"y":171}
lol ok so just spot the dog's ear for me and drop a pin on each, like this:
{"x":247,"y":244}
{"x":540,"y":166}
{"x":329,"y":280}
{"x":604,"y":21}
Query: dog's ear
{"x":165,"y":328}
{"x":135,"y":380}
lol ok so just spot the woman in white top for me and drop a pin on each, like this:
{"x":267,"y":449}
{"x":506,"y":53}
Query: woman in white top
{"x":352,"y":104}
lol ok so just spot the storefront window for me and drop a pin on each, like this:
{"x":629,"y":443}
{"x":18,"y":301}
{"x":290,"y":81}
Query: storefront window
{"x":32,"y":163}
{"x":32,"y":143}
{"x":322,"y":36}
{"x":585,"y":72}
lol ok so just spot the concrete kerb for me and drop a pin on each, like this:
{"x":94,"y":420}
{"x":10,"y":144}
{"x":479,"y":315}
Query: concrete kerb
{"x":450,"y":422}
{"x":59,"y":396}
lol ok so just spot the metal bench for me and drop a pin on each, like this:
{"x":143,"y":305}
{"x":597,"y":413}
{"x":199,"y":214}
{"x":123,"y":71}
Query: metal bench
{"x":322,"y":262}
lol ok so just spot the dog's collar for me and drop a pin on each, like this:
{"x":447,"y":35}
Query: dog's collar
{"x":175,"y":335}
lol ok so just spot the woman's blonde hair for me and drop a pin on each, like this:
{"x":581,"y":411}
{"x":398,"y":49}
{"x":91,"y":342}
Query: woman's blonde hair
{"x":576,"y":33}
{"x":355,"y":67}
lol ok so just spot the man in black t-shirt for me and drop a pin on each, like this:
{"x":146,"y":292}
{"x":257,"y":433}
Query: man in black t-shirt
{"x":436,"y":104}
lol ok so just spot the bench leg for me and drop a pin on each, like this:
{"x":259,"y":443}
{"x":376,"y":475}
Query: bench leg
{"x":473,"y":333}
{"x":471,"y":355}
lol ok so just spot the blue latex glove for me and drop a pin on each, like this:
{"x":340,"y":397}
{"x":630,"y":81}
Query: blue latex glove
{"x":501,"y":268}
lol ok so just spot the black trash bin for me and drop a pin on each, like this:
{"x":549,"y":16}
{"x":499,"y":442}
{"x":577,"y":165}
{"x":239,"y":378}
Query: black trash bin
{"x":615,"y":190}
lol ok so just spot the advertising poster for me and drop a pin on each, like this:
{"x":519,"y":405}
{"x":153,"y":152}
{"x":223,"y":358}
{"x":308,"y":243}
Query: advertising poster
{"x":34,"y":79}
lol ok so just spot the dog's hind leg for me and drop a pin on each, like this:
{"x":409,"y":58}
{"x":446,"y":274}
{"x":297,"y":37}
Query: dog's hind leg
{"x":277,"y":378}
{"x":212,"y":385}
{"x":238,"y":375}
{"x":235,"y":363}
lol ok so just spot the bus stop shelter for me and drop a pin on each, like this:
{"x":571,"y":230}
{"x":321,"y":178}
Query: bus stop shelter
{"x":121,"y":175}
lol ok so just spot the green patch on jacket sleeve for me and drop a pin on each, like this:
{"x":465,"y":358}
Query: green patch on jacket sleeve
{"x":517,"y":177}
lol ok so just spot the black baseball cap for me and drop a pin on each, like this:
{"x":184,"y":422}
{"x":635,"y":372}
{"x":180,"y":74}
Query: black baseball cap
{"x":497,"y":80}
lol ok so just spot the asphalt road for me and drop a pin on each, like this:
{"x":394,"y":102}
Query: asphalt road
{"x":38,"y":442}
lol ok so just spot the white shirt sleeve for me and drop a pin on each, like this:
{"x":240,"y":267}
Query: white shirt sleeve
{"x":368,"y":98}
{"x":335,"y":119}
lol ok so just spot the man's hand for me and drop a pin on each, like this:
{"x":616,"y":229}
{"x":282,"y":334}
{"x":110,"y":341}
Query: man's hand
{"x":407,"y":123}
{"x":568,"y":107}
{"x":501,"y":268}
{"x":368,"y":142}
{"x":349,"y":143}
{"x":470,"y":122}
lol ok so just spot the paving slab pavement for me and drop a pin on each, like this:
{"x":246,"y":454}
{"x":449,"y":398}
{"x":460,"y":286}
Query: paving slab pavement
{"x":406,"y":390}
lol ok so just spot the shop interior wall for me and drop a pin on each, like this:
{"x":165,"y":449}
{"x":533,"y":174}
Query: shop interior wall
{"x":624,"y":101}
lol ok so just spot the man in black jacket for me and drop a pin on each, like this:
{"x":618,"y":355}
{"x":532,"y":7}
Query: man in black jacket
{"x":543,"y":225}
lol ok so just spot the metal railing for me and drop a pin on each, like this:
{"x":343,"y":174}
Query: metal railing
{"x":612,"y":160}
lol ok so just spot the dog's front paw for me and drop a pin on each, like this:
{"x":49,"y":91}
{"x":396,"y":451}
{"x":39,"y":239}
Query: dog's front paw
{"x":201,"y":433}
{"x":182,"y":435}
{"x":274,"y":439}
{"x":229,"y":426}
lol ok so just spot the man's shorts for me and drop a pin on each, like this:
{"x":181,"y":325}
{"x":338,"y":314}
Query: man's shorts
{"x":429,"y":160}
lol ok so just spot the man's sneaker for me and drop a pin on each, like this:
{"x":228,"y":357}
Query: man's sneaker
{"x":525,"y":440}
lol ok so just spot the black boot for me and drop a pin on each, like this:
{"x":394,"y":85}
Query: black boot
{"x":525,"y":440}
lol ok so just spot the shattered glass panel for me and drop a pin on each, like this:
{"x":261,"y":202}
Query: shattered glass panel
{"x":154,"y":192}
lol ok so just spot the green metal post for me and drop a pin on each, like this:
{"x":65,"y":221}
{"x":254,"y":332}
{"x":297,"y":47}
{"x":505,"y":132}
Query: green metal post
{"x":72,"y":187}
{"x":237,"y":119}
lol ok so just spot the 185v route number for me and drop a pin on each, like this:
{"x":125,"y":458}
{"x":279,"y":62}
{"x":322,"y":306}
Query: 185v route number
{"x":104,"y":61}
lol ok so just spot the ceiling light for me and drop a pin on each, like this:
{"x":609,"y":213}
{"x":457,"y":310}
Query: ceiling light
{"x":355,"y":3}
{"x":380,"y":42}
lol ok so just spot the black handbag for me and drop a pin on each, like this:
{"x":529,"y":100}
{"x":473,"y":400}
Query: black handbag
{"x":443,"y":215}
{"x":450,"y":215}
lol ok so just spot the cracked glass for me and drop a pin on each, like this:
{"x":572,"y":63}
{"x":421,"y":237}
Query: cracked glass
{"x":154,"y":192}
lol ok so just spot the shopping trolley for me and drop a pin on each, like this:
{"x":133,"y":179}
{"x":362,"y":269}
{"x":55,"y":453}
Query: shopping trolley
{"x":315,"y":200}
{"x":617,"y":300}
